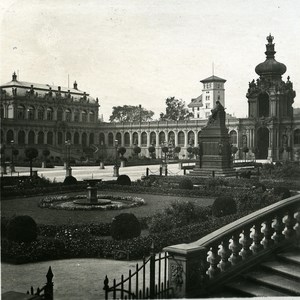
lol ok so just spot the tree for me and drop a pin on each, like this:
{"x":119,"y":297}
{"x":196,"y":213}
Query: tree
{"x":45,"y":153}
{"x":151,"y":150}
{"x":245,"y":150}
{"x":130,"y":113}
{"x":137,"y":150}
{"x":234,"y":150}
{"x":31,"y":154}
{"x":122,"y":151}
{"x":175,"y":110}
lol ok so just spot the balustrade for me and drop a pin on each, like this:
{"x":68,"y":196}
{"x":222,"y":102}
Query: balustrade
{"x":218,"y":256}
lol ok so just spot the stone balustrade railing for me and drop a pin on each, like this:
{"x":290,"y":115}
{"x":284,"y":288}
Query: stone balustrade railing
{"x":211,"y":261}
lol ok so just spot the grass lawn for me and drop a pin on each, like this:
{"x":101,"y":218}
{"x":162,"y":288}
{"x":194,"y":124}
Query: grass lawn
{"x":29,"y":206}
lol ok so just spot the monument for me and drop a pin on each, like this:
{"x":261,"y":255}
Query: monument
{"x":214,"y":147}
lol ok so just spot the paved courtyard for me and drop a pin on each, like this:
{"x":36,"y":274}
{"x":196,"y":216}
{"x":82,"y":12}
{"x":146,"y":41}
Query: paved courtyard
{"x":58,"y":173}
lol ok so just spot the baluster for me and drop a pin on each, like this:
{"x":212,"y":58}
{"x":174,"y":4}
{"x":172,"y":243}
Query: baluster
{"x":278,"y":228}
{"x":225,"y":254}
{"x":246,"y":242}
{"x":214,"y":260}
{"x":235,"y":248}
{"x":290,"y":222}
{"x":268,"y":232}
{"x":257,"y":238}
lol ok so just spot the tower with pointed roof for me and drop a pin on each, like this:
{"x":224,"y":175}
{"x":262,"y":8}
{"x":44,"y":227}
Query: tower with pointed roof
{"x":270,"y":100}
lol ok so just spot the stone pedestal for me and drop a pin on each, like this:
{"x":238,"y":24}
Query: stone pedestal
{"x":215,"y":151}
{"x":69,"y":171}
{"x":123,"y":164}
{"x":92,"y":190}
{"x":44,"y":164}
{"x":116,"y":171}
{"x":102,"y":165}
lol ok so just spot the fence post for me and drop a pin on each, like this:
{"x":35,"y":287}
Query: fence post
{"x":160,"y":171}
{"x":187,"y":266}
{"x":147,"y":172}
{"x":106,"y":287}
{"x":184,"y":171}
{"x":152,"y":272}
{"x":213,"y":174}
{"x":49,"y":285}
{"x":166,"y":170}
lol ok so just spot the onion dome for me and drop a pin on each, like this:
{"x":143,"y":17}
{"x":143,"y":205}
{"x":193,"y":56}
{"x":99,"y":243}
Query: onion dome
{"x":270,"y":66}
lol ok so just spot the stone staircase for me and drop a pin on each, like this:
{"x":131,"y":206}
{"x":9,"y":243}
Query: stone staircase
{"x":279,"y":277}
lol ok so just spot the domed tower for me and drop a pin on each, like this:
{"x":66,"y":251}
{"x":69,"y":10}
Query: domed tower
{"x":270,"y":102}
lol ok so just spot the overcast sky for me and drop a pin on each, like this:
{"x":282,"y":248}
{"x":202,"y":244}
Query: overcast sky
{"x":141,"y":52}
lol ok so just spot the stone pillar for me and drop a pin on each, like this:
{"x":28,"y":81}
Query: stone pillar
{"x":148,"y":139}
{"x":196,"y":139}
{"x":187,"y":269}
{"x":185,"y":138}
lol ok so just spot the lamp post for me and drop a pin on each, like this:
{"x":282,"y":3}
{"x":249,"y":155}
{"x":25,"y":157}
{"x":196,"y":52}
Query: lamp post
{"x":12,"y":167}
{"x":116,"y":166}
{"x":102,"y":157}
{"x":68,"y":168}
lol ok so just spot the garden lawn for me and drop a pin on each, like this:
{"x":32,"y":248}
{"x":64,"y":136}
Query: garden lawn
{"x":29,"y":206}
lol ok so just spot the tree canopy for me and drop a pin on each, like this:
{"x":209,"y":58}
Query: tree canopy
{"x":130,"y":113}
{"x":175,"y":110}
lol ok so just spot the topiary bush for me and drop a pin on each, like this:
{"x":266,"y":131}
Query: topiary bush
{"x":224,"y":206}
{"x":186,"y":184}
{"x":70,"y":180}
{"x":125,"y":226}
{"x":22,"y":229}
{"x":123,"y":180}
{"x":283,"y":192}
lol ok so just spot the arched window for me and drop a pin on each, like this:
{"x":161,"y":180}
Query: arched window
{"x":92,"y":116}
{"x":162,"y":137}
{"x":297,"y":137}
{"x":76,"y":115}
{"x":153,"y":138}
{"x":31,"y":113}
{"x":135,"y":138}
{"x":76,"y":138}
{"x":31,"y":137}
{"x":181,"y":138}
{"x":49,"y":113}
{"x":41,"y":113}
{"x":59,"y":138}
{"x":191,"y":138}
{"x":126,"y":139}
{"x":84,"y":116}
{"x":10,"y":111}
{"x":21,"y":137}
{"x":68,"y":115}
{"x":171,"y":137}
{"x":118,"y":137}
{"x":9,"y":136}
{"x":84,"y":139}
{"x":110,"y":139}
{"x":233,"y":137}
{"x":21,"y":112}
{"x":59,"y":114}
{"x":41,"y":138}
{"x":101,"y":138}
{"x":144,"y":139}
{"x":50,"y":138}
{"x":263,"y":105}
{"x":91,"y":138}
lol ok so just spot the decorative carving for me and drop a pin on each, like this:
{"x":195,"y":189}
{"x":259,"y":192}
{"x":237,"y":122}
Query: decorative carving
{"x":176,"y":274}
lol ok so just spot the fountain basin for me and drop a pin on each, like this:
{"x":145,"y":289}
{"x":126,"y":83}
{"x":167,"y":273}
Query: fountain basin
{"x":96,"y":202}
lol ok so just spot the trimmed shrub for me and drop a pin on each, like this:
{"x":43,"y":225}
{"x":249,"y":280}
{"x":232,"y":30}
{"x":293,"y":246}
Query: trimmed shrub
{"x":186,"y":184}
{"x":22,"y":229}
{"x":224,"y":206}
{"x":123,"y":180}
{"x":70,"y":180}
{"x":283,"y":192}
{"x":125,"y":226}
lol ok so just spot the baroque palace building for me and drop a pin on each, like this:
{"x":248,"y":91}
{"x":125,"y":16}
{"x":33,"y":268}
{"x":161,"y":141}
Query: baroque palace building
{"x":46,"y":116}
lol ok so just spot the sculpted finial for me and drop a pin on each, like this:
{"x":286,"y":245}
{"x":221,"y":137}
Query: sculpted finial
{"x":270,"y":39}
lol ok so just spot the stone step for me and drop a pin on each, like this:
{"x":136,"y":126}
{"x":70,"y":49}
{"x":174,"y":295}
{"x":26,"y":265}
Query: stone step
{"x":291,"y":256}
{"x":246,"y":288}
{"x":284,"y":268}
{"x":289,"y":286}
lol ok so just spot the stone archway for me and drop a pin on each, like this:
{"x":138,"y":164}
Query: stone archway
{"x":262,"y":143}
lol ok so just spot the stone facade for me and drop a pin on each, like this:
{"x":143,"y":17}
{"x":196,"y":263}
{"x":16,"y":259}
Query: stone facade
{"x":47,"y":116}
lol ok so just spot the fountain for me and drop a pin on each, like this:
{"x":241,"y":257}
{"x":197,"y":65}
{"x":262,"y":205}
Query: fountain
{"x":90,"y":201}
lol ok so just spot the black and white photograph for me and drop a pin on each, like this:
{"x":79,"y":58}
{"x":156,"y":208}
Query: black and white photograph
{"x":150,"y":149}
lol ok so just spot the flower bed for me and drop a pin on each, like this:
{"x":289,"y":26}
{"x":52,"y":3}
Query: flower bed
{"x":70,"y":203}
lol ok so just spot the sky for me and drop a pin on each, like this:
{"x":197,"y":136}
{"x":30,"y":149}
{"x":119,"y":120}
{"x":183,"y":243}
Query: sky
{"x":144,"y":51}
